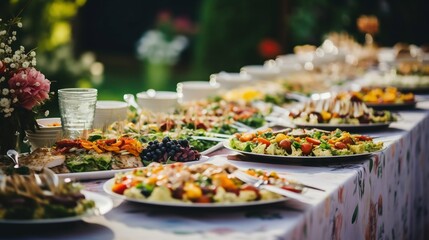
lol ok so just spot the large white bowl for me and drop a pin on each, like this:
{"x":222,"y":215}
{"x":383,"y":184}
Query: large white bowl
{"x":157,"y":101}
{"x":197,"y":90}
{"x":261,"y":72}
{"x":107,"y":112}
{"x":231,"y":80}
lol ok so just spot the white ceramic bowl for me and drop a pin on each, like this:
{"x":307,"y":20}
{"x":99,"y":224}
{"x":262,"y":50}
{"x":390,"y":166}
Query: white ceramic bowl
{"x":49,"y":124}
{"x":261,"y":72}
{"x":196,"y":90}
{"x":157,"y":101}
{"x":41,"y":142}
{"x":107,"y":112}
{"x":231,"y":80}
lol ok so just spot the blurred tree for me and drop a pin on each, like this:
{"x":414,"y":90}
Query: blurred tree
{"x":231,"y":31}
{"x":400,"y":21}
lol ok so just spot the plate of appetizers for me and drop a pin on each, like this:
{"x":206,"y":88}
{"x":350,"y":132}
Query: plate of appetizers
{"x":196,"y":186}
{"x":103,"y":158}
{"x":304,"y":146}
{"x":42,"y":198}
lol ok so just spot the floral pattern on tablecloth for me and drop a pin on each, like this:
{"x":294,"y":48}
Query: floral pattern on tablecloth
{"x":385,"y":199}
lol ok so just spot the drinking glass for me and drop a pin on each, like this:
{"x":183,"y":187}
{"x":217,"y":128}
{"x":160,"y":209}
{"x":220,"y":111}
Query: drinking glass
{"x":77,"y":109}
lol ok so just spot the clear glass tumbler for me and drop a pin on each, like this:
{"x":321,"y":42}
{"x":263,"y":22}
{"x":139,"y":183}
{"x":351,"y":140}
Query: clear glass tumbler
{"x":77,"y":109}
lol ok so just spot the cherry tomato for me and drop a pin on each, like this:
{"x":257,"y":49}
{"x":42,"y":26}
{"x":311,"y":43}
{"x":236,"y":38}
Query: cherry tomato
{"x":348,"y":140}
{"x":263,"y":141}
{"x":306,"y":148}
{"x":286,"y":145}
{"x":340,"y":145}
{"x":312,"y":140}
{"x":119,"y":188}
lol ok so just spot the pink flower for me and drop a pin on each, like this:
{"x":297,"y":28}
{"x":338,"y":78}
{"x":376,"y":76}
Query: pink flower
{"x":31,"y":87}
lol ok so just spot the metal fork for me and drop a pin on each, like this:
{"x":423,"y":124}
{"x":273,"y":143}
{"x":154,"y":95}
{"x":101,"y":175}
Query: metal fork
{"x":259,"y":183}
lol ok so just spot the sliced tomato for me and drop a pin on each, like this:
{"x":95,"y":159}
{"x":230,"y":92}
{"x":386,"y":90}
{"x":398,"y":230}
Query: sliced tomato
{"x":312,"y":140}
{"x":264,"y":141}
{"x":203,"y":199}
{"x":292,"y":189}
{"x":306,"y":148}
{"x":119,"y":188}
{"x":364,"y":138}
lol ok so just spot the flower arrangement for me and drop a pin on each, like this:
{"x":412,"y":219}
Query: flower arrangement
{"x":165,"y":43}
{"x":22,"y":87}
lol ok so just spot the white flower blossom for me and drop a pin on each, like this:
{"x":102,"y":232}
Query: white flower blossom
{"x":7,"y":60}
{"x":4,"y":102}
{"x":5,"y":91}
{"x":2,"y":32}
{"x":12,"y":65}
{"x":19,"y":24}
{"x":15,"y":100}
{"x":12,"y":91}
{"x":32,"y":53}
{"x":25,"y":64}
{"x":2,"y":79}
{"x":14,"y":33}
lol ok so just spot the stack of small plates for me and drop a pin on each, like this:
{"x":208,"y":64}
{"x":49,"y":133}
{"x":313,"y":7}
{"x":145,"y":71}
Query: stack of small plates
{"x":108,"y":112}
{"x":48,"y":133}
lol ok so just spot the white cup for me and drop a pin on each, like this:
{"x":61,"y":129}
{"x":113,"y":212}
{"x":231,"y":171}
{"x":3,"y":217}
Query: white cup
{"x":157,"y":101}
{"x":231,"y":80}
{"x":196,"y":90}
{"x":108,"y":112}
{"x":261,"y":72}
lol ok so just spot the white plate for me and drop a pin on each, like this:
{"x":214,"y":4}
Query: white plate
{"x":302,"y":159}
{"x":107,"y":186}
{"x":102,"y":203}
{"x":345,"y":127}
{"x":212,"y":149}
{"x":108,"y":173}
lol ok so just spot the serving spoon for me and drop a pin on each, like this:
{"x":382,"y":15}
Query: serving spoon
{"x":14,"y":156}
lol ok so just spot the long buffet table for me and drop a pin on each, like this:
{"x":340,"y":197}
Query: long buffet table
{"x":382,"y":197}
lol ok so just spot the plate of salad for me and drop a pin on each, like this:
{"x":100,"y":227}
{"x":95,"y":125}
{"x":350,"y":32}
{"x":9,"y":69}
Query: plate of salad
{"x":302,"y":146}
{"x":42,"y":198}
{"x":195,"y":186}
